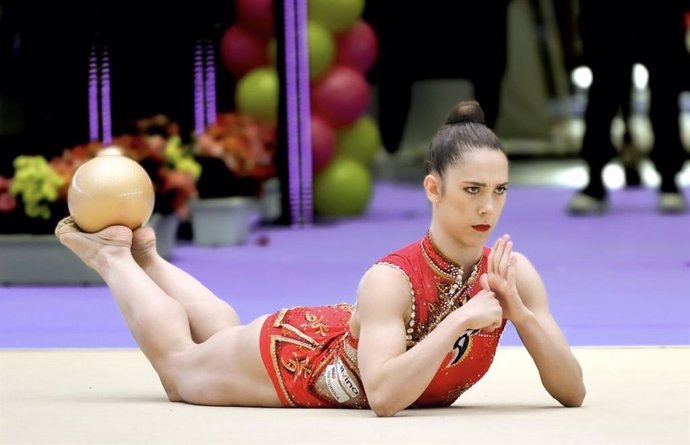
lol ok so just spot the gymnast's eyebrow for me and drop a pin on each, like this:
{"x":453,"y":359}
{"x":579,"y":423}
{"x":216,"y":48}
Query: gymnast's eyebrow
{"x":481,"y":184}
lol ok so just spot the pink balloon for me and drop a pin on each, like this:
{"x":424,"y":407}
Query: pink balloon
{"x":341,"y":96}
{"x":241,"y":51}
{"x":256,"y":16}
{"x":322,"y":143}
{"x":357,"y":47}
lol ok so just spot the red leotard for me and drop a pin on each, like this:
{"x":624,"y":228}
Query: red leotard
{"x":311,"y":355}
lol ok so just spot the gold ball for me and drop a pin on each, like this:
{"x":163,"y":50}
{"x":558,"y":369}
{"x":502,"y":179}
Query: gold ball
{"x":110,"y":190}
{"x":110,"y":151}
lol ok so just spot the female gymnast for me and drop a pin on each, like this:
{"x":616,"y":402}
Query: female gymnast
{"x":426,"y":323}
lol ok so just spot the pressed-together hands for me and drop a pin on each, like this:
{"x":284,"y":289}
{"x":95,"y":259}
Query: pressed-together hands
{"x":483,"y":311}
{"x":501,"y":276}
{"x":499,"y":296}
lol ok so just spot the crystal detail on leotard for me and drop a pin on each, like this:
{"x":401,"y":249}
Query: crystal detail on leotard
{"x":452,"y":292}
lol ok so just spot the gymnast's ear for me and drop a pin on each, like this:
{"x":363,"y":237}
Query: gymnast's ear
{"x":433,"y":187}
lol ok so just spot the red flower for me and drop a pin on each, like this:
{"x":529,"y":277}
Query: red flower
{"x":7,"y":202}
{"x":246,"y":145}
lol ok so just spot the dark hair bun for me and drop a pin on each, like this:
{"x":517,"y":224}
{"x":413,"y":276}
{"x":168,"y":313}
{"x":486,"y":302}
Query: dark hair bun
{"x":466,"y":111}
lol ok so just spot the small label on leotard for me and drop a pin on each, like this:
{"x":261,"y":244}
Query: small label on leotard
{"x":333,"y":386}
{"x":339,"y":382}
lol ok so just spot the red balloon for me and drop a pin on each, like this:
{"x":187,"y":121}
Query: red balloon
{"x":357,"y":47}
{"x":256,"y":16}
{"x":341,"y":96}
{"x":322,"y":143}
{"x":241,"y":51}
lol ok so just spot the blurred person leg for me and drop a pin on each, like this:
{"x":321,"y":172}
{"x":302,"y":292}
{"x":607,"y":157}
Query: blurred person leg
{"x":664,"y":54}
{"x":607,"y":50}
{"x":613,"y":39}
{"x":629,"y":152}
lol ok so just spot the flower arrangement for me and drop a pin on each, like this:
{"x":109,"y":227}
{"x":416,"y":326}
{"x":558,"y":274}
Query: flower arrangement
{"x":157,"y":146}
{"x":237,"y":151}
{"x":36,"y":196}
{"x":245,"y":144}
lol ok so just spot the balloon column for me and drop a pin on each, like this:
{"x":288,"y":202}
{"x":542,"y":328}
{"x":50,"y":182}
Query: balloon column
{"x":244,"y":51}
{"x":342,"y":48}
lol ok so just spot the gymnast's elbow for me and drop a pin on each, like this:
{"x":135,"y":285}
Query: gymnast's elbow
{"x":573,"y":399}
{"x":383,"y":406}
{"x":384,"y":411}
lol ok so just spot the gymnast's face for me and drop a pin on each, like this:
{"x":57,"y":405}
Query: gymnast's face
{"x":469,"y":199}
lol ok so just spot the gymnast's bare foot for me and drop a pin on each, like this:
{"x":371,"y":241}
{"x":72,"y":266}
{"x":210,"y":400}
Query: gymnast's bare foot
{"x":94,"y":248}
{"x":144,"y":245}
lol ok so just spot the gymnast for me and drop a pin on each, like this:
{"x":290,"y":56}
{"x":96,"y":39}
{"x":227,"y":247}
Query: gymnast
{"x":425,"y":326}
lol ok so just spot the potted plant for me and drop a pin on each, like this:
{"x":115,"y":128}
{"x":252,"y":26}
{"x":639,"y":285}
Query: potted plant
{"x":156,"y":144}
{"x":237,"y":181}
{"x":34,"y":199}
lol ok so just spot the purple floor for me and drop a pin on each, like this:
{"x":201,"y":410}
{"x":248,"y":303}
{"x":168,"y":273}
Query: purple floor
{"x":621,"y":279}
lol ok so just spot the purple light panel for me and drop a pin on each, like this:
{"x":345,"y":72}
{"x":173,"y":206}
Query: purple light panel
{"x":304,"y":112}
{"x":210,"y":71}
{"x":198,"y":89}
{"x":93,"y":95}
{"x":106,"y":119}
{"x":298,"y":112}
{"x":291,"y":117}
{"x":99,"y":93}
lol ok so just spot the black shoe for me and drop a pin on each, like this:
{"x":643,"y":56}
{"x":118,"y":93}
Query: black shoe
{"x":671,"y":200}
{"x":672,"y":203}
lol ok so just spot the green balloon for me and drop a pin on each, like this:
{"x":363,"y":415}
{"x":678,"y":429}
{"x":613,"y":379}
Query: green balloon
{"x":321,"y":49}
{"x":342,"y":188}
{"x":360,"y":141}
{"x":336,"y":15}
{"x":256,"y":94}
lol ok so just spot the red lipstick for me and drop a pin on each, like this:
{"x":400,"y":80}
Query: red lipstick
{"x":481,"y":227}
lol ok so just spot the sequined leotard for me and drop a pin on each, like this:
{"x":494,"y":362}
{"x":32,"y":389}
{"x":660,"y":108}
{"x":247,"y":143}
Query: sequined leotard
{"x":311,"y":355}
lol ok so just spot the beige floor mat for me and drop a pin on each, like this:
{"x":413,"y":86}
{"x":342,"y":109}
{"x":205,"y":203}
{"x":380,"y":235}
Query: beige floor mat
{"x":635,"y":396}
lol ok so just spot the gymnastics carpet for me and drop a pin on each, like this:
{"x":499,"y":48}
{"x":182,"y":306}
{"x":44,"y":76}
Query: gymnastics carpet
{"x":635,"y":395}
{"x":618,"y":286}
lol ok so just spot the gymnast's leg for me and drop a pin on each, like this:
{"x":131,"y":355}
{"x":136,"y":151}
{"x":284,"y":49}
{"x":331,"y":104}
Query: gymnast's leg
{"x":206,"y":312}
{"x":225,"y":369}
{"x":158,"y":323}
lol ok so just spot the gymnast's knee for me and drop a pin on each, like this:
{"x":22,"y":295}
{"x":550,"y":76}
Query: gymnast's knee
{"x":169,"y":373}
{"x":171,"y":388}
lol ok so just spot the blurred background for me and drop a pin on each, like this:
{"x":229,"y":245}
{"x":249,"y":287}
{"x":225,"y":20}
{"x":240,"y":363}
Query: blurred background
{"x":382,"y":78}
{"x":254,"y":117}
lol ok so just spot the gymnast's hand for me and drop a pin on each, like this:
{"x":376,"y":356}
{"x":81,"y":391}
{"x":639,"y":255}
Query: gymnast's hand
{"x":502,"y":269}
{"x":483,"y":311}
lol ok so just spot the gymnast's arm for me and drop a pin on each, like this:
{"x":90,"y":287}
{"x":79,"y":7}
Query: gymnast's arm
{"x":559,"y":370}
{"x":394,"y":377}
